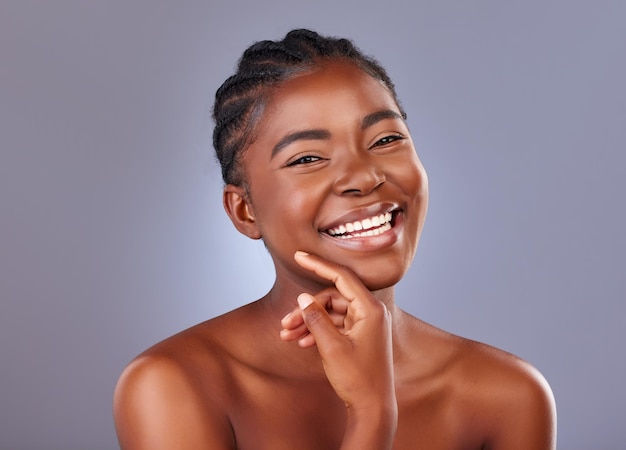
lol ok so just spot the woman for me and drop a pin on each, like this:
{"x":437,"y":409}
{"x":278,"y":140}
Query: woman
{"x":318,"y":162}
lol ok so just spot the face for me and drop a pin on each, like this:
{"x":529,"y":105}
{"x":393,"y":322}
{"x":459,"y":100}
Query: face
{"x":333,"y":172}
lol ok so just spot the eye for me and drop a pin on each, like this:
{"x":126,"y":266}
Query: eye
{"x":306,"y":159}
{"x":388,"y":140}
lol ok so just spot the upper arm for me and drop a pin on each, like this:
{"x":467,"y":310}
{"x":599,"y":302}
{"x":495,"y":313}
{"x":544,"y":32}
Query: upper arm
{"x":527,"y":413}
{"x":158,"y":405}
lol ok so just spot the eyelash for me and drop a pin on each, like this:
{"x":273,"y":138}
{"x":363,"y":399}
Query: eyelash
{"x":306,"y":159}
{"x":310,"y":159}
{"x":388,"y":140}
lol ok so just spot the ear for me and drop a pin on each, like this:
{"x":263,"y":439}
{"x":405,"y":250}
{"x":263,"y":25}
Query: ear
{"x":239,"y":209}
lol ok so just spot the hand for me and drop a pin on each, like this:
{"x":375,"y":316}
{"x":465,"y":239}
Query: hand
{"x":293,"y":324}
{"x":352,"y":331}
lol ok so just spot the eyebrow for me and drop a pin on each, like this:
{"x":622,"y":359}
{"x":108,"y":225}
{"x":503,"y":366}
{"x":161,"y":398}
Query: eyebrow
{"x":304,"y":135}
{"x":377,"y":116}
{"x":317,"y":135}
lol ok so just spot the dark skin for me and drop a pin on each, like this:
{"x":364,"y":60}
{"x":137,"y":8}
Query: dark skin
{"x":327,"y":359}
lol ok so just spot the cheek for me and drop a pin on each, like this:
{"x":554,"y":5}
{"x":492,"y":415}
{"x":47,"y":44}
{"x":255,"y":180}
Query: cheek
{"x":286,"y":208}
{"x":412,"y":179}
{"x":411,"y":176}
{"x":421,"y":181}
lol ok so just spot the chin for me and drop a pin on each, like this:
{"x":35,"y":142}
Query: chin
{"x":380,"y":278}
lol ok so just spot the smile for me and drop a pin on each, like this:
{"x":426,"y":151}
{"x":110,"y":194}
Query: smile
{"x":372,"y":226}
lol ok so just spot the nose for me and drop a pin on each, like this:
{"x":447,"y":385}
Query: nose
{"x":358,"y":175}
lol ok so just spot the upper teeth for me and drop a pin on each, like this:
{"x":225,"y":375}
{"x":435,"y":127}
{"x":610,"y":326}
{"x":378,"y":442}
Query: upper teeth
{"x":383,"y":221}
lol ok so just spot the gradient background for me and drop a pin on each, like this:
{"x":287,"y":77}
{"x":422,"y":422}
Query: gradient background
{"x":112,"y":234}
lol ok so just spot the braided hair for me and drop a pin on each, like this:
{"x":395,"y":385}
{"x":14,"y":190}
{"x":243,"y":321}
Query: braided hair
{"x":239,"y":102}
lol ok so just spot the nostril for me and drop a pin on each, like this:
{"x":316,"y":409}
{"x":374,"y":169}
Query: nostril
{"x":359,"y":182}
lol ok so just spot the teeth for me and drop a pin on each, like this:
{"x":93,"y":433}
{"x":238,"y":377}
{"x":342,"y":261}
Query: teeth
{"x":374,"y":232}
{"x":372,"y":226}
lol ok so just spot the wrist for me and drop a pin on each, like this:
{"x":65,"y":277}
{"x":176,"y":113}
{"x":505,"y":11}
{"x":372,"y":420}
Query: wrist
{"x":371,"y":427}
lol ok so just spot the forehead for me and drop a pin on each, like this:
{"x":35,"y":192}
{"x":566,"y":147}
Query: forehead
{"x":335,"y":94}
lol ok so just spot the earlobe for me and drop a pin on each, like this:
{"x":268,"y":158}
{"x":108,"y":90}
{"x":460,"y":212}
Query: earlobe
{"x":239,"y":209}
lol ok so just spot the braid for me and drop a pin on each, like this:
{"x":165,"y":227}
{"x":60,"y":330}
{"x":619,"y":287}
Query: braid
{"x":239,"y":102}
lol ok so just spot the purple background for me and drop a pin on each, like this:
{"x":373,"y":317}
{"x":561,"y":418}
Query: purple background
{"x":112,"y":234}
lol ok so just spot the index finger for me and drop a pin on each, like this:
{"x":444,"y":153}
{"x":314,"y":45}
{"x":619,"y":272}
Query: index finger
{"x":347,"y":283}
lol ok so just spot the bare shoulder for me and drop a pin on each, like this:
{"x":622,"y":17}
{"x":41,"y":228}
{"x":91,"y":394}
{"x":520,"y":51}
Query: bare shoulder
{"x":484,"y":397}
{"x":174,"y":395}
{"x":510,"y":396}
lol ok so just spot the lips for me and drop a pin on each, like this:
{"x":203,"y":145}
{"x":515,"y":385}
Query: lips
{"x":365,"y":221}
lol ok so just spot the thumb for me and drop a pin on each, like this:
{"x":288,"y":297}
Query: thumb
{"x":318,"y":322}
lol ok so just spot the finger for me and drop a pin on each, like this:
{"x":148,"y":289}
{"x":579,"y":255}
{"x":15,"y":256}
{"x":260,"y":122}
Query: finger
{"x":336,"y":305}
{"x":330,"y":299}
{"x":319,"y":324}
{"x":293,"y":334}
{"x":295,"y":328}
{"x":307,"y":341}
{"x":347,"y":283}
{"x":338,"y":320}
{"x":292,"y":320}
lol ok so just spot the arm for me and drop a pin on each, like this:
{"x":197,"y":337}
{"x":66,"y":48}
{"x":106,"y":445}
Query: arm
{"x":358,"y":360}
{"x":157,"y":406}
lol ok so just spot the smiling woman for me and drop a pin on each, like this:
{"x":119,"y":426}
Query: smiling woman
{"x":318,"y":163}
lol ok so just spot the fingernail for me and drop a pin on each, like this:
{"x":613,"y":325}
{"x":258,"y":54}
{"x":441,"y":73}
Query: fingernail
{"x":304,"y":300}
{"x":286,"y":316}
{"x":301,"y":253}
